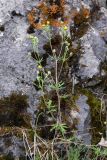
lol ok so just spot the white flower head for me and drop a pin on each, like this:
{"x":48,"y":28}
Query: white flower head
{"x":49,"y":72}
{"x":37,"y":72}
{"x":29,"y":53}
{"x":71,"y":53}
{"x":54,"y":50}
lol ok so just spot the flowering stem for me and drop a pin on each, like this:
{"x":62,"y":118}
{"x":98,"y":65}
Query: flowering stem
{"x":57,"y":91}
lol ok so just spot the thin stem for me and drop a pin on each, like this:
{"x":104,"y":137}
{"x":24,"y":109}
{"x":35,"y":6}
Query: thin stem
{"x":57,"y":91}
{"x":60,"y":70}
{"x":34,"y":146}
{"x":61,"y":46}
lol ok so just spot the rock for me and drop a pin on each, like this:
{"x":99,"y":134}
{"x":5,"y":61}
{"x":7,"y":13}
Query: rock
{"x":11,"y":146}
{"x":84,"y":119}
{"x":102,"y":3}
{"x":98,"y":2}
{"x":19,"y":7}
{"x":17,"y":68}
{"x":94,"y":52}
{"x":101,"y":23}
{"x":78,"y":3}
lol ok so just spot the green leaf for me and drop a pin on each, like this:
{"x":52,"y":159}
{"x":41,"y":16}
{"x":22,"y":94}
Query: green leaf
{"x":57,"y":86}
{"x":61,"y":127}
{"x":64,"y":96}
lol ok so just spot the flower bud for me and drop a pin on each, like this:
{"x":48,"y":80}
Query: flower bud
{"x":40,"y":67}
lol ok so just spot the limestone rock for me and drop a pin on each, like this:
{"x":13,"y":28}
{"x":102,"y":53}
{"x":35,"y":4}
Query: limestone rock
{"x":94,"y":52}
{"x":84,"y":119}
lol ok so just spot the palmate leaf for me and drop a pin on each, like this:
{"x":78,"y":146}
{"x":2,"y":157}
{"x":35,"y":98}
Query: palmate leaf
{"x":51,"y":107}
{"x":61,"y":127}
{"x":57,"y":86}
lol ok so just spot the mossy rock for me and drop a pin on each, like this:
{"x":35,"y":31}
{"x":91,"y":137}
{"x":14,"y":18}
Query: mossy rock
{"x":97,"y":117}
{"x":10,"y":157}
{"x":13,"y":110}
{"x":6,"y":157}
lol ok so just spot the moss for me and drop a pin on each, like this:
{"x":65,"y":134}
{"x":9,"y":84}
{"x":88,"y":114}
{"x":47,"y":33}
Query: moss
{"x":81,"y":24}
{"x":49,"y":11}
{"x":97,"y":118}
{"x":30,"y":30}
{"x":6,"y":157}
{"x":9,"y":131}
{"x":13,"y":110}
{"x":30,"y":134}
{"x":9,"y":157}
{"x":78,"y":33}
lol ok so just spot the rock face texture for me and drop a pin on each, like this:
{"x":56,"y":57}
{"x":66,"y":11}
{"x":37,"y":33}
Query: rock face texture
{"x":11,"y":146}
{"x":84,"y":120}
{"x":18,"y":69}
{"x":95,"y":51}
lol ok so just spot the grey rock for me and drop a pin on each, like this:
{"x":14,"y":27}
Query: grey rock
{"x":84,"y":119}
{"x":94,"y":47}
{"x":20,"y":6}
{"x":98,"y":2}
{"x":11,"y":145}
{"x":95,"y":51}
{"x":78,"y":3}
{"x":15,"y":64}
{"x":101,"y":23}
{"x":17,"y":68}
{"x":102,"y":3}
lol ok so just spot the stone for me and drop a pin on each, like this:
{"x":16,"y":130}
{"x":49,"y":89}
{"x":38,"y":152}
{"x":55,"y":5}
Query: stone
{"x":17,"y":68}
{"x":94,"y":52}
{"x":84,"y":119}
{"x":101,"y":23}
{"x":11,"y":146}
{"x":102,"y":3}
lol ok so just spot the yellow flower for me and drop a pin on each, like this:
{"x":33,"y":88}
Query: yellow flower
{"x":48,"y":22}
{"x":40,"y":67}
{"x":43,"y":25}
{"x":62,"y":22}
{"x":65,"y":27}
